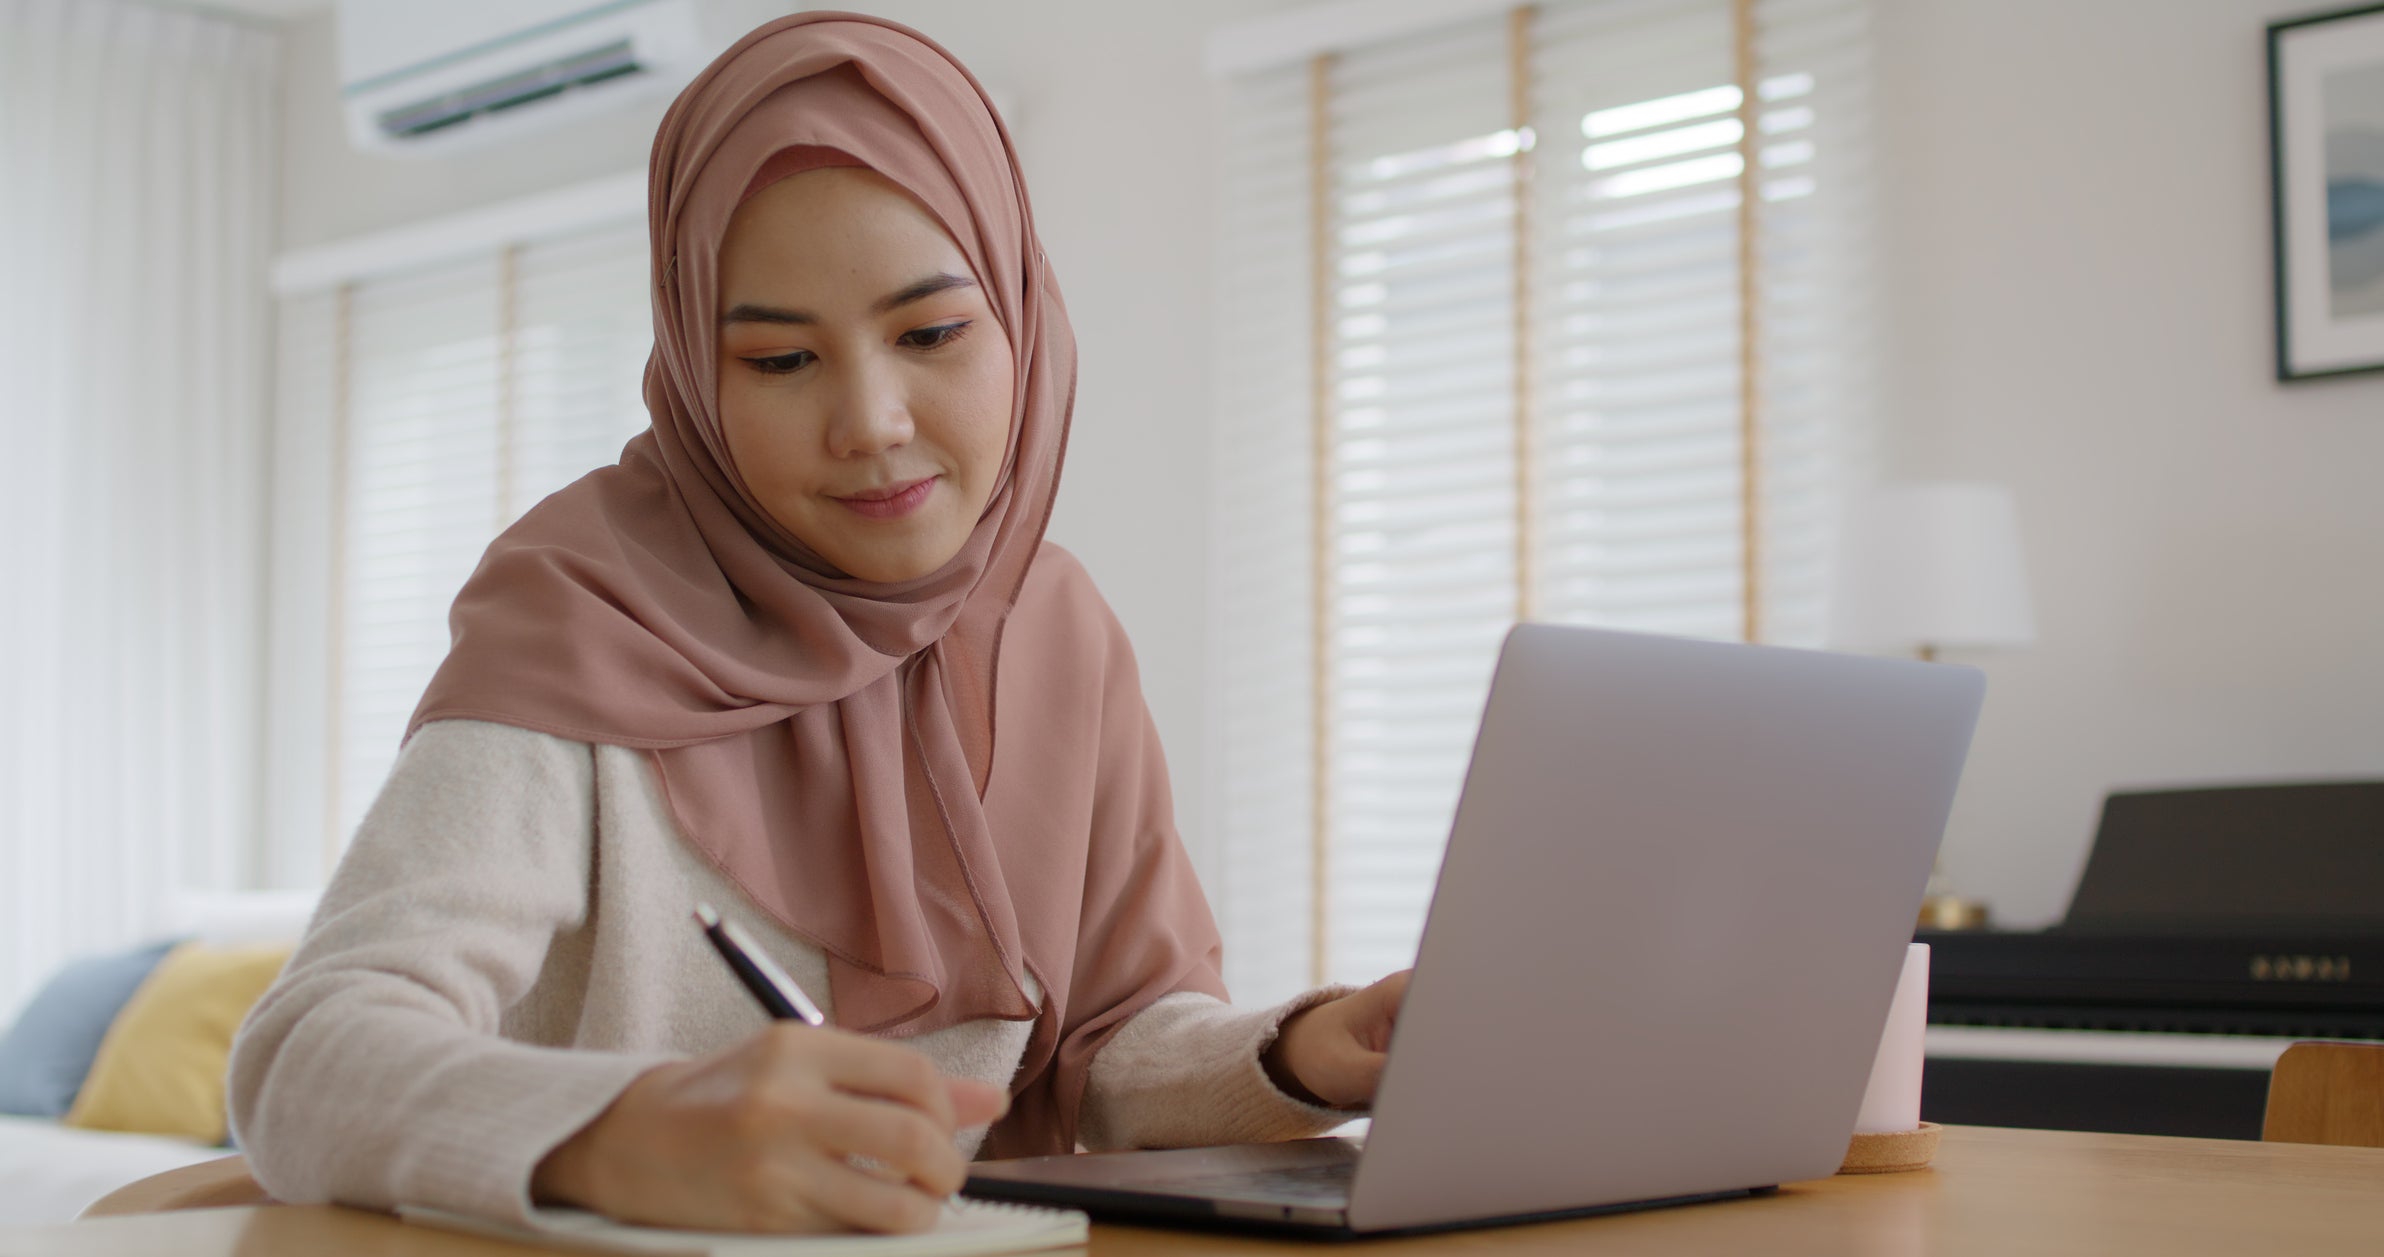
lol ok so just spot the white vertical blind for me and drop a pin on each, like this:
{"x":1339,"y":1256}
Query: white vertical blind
{"x":420,"y":498}
{"x":299,"y":749}
{"x":1423,"y":513}
{"x":1633,"y":336}
{"x":136,"y":192}
{"x":1263,"y":631}
{"x":1638,"y":324}
{"x":470,"y":390}
{"x":585,"y":327}
{"x":1818,"y":352}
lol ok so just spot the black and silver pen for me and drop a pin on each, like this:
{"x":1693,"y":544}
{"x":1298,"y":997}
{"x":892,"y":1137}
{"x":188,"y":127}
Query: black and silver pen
{"x":769,"y":983}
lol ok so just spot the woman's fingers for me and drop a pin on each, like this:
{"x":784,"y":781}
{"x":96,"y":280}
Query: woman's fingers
{"x":1334,"y":1051}
{"x":865,"y":1202}
{"x":888,"y":1071}
{"x":975,"y":1103}
{"x":1381,"y":1004}
{"x":793,"y":1129}
{"x":904,"y":1141}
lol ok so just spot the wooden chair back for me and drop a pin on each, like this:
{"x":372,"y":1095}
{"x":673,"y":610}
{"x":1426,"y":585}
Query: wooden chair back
{"x":207,"y":1185}
{"x":2327,"y":1093}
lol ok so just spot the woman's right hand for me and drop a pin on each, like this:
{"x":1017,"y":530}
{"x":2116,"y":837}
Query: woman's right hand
{"x":765,"y":1137}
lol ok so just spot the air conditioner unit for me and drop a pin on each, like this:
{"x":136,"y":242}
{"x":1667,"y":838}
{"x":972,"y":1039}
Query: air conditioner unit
{"x":433,"y":76}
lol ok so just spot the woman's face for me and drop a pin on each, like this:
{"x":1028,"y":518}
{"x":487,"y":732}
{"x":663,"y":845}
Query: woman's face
{"x":864,"y":383}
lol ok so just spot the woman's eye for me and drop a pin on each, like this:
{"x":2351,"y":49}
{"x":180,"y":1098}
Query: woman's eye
{"x":782,"y":363}
{"x":935,"y":337}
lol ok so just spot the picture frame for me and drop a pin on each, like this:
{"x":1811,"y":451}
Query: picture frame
{"x":2326,"y":172}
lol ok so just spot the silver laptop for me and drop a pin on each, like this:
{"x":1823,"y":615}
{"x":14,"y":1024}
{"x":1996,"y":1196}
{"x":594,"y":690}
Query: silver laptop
{"x":1658,"y":960}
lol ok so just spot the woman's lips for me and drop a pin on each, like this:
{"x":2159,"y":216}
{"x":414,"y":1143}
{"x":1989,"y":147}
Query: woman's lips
{"x":892,"y":502}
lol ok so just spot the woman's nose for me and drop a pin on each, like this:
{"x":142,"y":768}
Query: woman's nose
{"x":872,"y":413}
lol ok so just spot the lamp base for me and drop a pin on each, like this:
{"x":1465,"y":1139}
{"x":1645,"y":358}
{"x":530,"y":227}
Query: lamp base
{"x":1893,"y":1152}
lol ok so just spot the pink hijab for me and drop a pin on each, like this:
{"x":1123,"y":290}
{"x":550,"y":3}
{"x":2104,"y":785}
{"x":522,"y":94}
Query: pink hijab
{"x":832,"y":744}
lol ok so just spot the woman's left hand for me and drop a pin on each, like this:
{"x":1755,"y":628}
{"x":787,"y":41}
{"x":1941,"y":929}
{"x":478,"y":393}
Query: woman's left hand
{"x":1333,"y":1053}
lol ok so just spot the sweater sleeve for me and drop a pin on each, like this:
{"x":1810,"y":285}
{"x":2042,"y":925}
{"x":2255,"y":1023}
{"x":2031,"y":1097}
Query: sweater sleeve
{"x":1185,"y":1071}
{"x":373,"y":1073}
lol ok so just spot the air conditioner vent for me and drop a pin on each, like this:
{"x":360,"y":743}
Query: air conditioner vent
{"x":597,"y":65}
{"x":423,"y":77}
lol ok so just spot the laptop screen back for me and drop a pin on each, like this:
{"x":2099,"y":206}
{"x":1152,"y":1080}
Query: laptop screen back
{"x":1668,"y":924}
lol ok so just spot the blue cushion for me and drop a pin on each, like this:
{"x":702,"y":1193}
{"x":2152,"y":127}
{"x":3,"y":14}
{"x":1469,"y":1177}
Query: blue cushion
{"x":46,"y":1054}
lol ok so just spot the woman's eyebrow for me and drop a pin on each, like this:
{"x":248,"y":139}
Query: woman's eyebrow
{"x":925,"y":288}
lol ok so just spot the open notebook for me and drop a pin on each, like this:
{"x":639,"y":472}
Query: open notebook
{"x":968,"y":1227}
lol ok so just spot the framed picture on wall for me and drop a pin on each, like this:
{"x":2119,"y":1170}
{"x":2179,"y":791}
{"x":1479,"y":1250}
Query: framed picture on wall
{"x":2326,"y":165}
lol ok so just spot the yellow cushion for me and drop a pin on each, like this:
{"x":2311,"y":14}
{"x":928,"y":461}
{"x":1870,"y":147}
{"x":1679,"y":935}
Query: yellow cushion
{"x":160,"y":1070}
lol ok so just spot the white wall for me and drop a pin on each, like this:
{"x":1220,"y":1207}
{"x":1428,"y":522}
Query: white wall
{"x":1112,"y":111}
{"x":2078,"y":279}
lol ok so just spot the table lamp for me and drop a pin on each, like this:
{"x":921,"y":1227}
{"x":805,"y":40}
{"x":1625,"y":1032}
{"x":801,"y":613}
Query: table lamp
{"x":1925,"y":568}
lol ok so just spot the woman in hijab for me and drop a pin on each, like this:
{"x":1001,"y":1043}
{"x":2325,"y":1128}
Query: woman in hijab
{"x":803,"y":654}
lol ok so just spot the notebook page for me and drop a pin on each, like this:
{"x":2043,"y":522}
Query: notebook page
{"x":967,"y":1228}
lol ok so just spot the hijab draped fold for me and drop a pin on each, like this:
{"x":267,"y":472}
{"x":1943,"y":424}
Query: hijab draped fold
{"x":832,"y":744}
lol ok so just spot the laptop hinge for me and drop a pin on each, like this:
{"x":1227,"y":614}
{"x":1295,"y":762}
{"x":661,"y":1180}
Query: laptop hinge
{"x":1303,"y":1215}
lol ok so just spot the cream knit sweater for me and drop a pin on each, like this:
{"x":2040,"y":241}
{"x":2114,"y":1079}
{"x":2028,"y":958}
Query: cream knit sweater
{"x":507,"y":944}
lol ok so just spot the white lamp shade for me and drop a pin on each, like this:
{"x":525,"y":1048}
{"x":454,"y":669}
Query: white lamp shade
{"x":1930,"y":565}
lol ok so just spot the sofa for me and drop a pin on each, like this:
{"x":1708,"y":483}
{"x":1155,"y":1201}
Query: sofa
{"x":51,"y":1169}
{"x":50,"y":1172}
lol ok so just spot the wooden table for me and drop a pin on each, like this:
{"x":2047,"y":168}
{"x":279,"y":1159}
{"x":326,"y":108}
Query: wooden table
{"x":1992,"y":1191}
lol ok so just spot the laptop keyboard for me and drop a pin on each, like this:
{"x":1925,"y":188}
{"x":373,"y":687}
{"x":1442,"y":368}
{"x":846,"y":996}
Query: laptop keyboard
{"x":1304,"y":1184}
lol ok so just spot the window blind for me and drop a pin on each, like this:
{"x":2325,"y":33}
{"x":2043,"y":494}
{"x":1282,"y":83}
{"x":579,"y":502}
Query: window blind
{"x":1421,"y":512}
{"x":584,"y":328}
{"x":1497,"y":330}
{"x":462,"y":394}
{"x":1262,"y":714}
{"x":419,"y":500}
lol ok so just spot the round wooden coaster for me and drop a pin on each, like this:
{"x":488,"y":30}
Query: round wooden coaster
{"x":1892,"y":1152}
